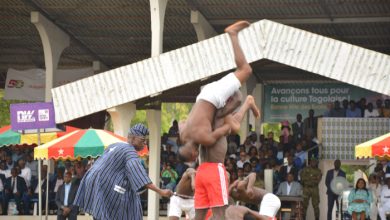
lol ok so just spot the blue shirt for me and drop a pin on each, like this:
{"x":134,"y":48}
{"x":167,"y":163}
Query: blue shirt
{"x":67,"y":189}
{"x":357,"y":113}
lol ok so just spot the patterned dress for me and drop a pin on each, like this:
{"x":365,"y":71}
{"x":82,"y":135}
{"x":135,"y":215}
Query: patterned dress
{"x":108,"y":190}
{"x":359,"y":207}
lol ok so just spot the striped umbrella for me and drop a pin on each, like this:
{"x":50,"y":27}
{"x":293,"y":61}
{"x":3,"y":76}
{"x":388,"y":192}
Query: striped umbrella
{"x":10,"y":137}
{"x":78,"y":144}
{"x":377,"y":147}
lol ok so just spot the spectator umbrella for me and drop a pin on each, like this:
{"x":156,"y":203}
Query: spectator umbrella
{"x":377,"y":147}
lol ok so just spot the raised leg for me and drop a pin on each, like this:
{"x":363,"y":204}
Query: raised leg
{"x":244,"y":70}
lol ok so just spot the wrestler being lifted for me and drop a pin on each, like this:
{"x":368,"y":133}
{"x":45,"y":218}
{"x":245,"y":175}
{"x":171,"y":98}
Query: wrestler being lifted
{"x":210,"y":120}
{"x":198,"y":129}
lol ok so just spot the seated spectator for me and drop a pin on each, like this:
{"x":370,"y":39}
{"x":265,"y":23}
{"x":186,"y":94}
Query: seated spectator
{"x":270,"y":140}
{"x":359,"y":201}
{"x":58,"y":180}
{"x":180,"y":169}
{"x":256,"y":167}
{"x":243,"y":159}
{"x":25,"y":172}
{"x":33,"y":190}
{"x":174,"y":129}
{"x":169,"y":176}
{"x":167,"y":152}
{"x":3,"y":169}
{"x":280,"y":155}
{"x":14,"y":188}
{"x":289,"y":188}
{"x":8,"y":161}
{"x":253,"y":138}
{"x":370,"y":112}
{"x":253,"y":152}
{"x":240,"y":173}
{"x":337,"y":111}
{"x":300,"y":157}
{"x":386,"y":109}
{"x":247,"y":168}
{"x":165,"y":140}
{"x":247,"y":144}
{"x":353,"y":111}
{"x":32,"y":164}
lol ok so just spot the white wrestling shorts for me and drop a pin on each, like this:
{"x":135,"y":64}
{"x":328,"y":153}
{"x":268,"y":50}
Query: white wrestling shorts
{"x":178,"y":205}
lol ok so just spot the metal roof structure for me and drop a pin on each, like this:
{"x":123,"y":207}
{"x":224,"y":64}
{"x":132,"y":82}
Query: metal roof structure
{"x":118,"y":32}
{"x":261,"y":40}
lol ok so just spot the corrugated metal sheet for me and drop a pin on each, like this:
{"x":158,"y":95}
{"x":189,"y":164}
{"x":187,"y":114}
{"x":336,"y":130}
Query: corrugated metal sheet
{"x":263,"y":39}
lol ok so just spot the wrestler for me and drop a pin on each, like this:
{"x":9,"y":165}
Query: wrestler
{"x":197,"y":129}
{"x":245,"y":191}
{"x":183,"y":198}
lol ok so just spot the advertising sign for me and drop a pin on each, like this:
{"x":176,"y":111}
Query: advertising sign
{"x":284,"y":101}
{"x":32,"y":116}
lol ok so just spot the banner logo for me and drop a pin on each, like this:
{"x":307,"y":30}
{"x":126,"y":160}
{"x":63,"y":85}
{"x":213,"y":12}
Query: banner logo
{"x":15,"y":83}
{"x":25,"y":116}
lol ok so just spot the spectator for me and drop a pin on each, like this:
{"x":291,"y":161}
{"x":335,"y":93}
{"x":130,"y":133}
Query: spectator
{"x":297,"y":129}
{"x":240,"y":173}
{"x":174,"y":129}
{"x":25,"y":172}
{"x":271,"y":142}
{"x":33,"y":190}
{"x":345,"y":105}
{"x":15,"y":187}
{"x":300,"y":157}
{"x":362,"y":105}
{"x":247,"y":168}
{"x":379,"y":107}
{"x":310,"y":125}
{"x":3,"y":169}
{"x":376,"y":188}
{"x":253,"y":138}
{"x":370,"y":112}
{"x":329,"y":108}
{"x":253,"y":152}
{"x":310,"y":179}
{"x":9,"y":162}
{"x":359,"y":200}
{"x":32,"y":164}
{"x":247,"y":144}
{"x":169,"y":176}
{"x":58,"y":180}
{"x":289,"y":188}
{"x":384,"y":206}
{"x":353,"y":111}
{"x":232,"y":145}
{"x":256,"y":167}
{"x":386,"y":109}
{"x":243,"y":159}
{"x":289,"y":168}
{"x":64,"y":199}
{"x":330,"y":175}
{"x":337,"y":111}
{"x":280,"y":154}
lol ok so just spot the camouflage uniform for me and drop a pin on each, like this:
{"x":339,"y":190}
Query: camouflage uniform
{"x":310,"y":179}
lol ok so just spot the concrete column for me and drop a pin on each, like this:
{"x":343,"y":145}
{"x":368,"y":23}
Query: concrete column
{"x":157,"y":15}
{"x":54,"y":41}
{"x":246,"y":89}
{"x":268,"y":180}
{"x":258,"y":95}
{"x":203,"y":28}
{"x":154,"y":125}
{"x":121,"y":117}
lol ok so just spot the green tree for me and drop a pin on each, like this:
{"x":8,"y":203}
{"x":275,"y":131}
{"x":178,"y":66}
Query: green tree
{"x":5,"y":117}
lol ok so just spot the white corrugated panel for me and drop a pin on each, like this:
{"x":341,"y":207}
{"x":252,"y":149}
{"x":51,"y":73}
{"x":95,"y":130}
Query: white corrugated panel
{"x":263,"y":39}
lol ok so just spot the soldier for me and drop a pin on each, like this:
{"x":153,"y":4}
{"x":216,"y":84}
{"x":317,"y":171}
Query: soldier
{"x":310,"y":179}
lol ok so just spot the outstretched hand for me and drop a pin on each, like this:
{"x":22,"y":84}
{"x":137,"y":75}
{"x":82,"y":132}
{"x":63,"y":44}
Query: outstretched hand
{"x":166,"y":193}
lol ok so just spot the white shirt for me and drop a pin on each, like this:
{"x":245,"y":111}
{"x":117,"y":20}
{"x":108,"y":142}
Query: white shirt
{"x":67,"y":189}
{"x":33,"y":165}
{"x":288,"y":188}
{"x":368,"y":114}
{"x":36,"y":188}
{"x":240,"y":164}
{"x":15,"y":182}
{"x":7,"y":173}
{"x":1,"y":185}
{"x":26,"y":174}
{"x":58,"y":184}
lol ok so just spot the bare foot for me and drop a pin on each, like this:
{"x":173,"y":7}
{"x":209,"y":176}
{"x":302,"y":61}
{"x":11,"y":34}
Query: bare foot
{"x":236,"y":27}
{"x":252,"y":105}
{"x":233,"y":123}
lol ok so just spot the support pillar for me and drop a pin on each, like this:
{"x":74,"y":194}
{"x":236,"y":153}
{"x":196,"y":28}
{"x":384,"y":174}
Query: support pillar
{"x":246,"y":89}
{"x":121,"y":117}
{"x":54,"y":41}
{"x":154,"y":125}
{"x":258,"y":95}
{"x":157,"y":15}
{"x":203,"y":28}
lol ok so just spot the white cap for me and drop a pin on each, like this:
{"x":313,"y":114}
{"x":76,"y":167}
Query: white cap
{"x":269,"y":205}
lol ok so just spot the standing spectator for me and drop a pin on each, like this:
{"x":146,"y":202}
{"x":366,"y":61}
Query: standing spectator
{"x":33,"y":165}
{"x":386,"y":109}
{"x":337,"y":111}
{"x":385,"y":199}
{"x":329,"y":108}
{"x":300,"y":157}
{"x":310,"y":125}
{"x":64,"y":199}
{"x":25,"y":172}
{"x":174,"y":129}
{"x":310,"y":179}
{"x":370,"y":112}
{"x":33,"y":190}
{"x":14,"y":188}
{"x":362,"y":104}
{"x":332,"y":173}
{"x":376,"y":188}
{"x":359,"y":200}
{"x":289,"y":168}
{"x":379,"y":107}
{"x":297,"y":129}
{"x":353,"y":111}
{"x":345,"y":105}
{"x":3,"y":169}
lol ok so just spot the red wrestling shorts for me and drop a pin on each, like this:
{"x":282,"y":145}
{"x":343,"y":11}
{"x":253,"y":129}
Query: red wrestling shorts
{"x":211,"y":186}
